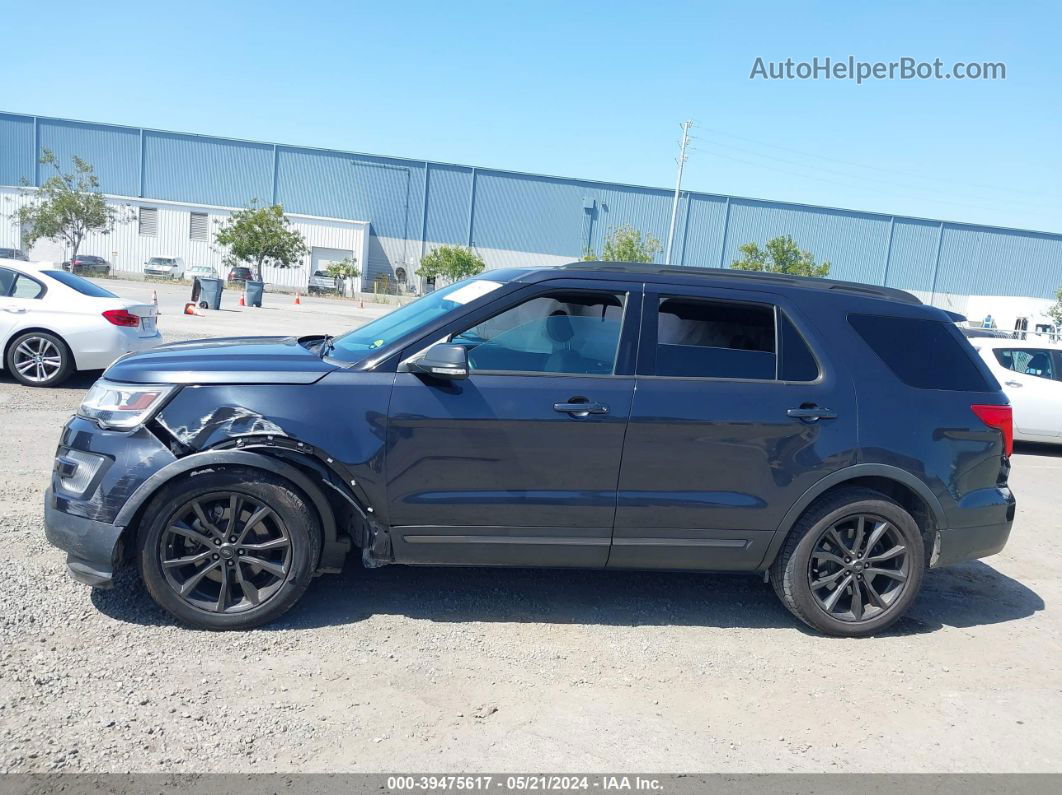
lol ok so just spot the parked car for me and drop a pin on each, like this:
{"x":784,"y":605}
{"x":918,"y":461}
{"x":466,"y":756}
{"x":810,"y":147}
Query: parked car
{"x":240,"y":274}
{"x":321,"y":282}
{"x":1031,"y":375}
{"x":13,"y":253}
{"x":201,"y":272}
{"x":596,"y":415}
{"x":86,"y":264}
{"x":54,"y":323}
{"x":168,"y":267}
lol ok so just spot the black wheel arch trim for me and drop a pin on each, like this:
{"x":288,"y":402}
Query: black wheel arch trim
{"x":335,"y":545}
{"x":840,"y":477}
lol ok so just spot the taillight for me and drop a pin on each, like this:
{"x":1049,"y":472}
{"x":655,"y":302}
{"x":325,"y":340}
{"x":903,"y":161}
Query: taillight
{"x":122,"y":317}
{"x":1000,"y":417}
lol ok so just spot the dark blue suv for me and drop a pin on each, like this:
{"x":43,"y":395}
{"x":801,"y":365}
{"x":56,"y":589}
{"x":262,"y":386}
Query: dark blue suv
{"x":837,"y":438}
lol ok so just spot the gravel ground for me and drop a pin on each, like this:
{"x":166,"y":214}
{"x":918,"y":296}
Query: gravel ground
{"x":479,"y":669}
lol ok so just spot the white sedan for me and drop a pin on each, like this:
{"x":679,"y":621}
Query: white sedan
{"x":53,"y":323}
{"x":1030,"y":372}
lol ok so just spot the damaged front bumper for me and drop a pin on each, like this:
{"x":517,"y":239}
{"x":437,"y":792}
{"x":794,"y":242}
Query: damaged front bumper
{"x":95,"y":473}
{"x":93,"y":549}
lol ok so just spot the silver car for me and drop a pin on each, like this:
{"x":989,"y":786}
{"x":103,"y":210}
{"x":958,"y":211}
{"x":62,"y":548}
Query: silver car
{"x":168,"y":267}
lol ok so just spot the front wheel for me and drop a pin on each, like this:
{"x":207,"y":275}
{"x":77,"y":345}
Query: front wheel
{"x":852,"y":565}
{"x":228,"y":549}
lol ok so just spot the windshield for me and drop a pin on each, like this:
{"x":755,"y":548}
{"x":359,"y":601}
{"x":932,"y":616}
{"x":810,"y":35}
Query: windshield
{"x":83,"y":286}
{"x":160,"y":261}
{"x":355,"y":344}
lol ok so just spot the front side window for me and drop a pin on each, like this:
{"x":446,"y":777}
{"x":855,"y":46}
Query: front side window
{"x":563,"y":332}
{"x":1028,"y":361}
{"x":715,"y":339}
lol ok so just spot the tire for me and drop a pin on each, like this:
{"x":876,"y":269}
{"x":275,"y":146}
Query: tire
{"x":54,"y":365}
{"x":172,"y":530}
{"x":828,"y":546}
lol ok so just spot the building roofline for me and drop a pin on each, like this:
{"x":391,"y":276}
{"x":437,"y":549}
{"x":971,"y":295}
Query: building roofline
{"x":600,"y":182}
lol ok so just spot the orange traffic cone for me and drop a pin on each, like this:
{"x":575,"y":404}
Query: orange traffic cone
{"x":297,"y":299}
{"x":191,"y":309}
{"x":155,"y":301}
{"x":242,"y":302}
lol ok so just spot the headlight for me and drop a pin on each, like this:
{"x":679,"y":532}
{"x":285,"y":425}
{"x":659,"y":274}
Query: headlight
{"x":122,"y":406}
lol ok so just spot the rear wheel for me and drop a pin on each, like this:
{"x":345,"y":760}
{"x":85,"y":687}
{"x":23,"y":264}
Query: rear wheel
{"x":229,"y":549}
{"x":852,"y":565}
{"x":39,"y":358}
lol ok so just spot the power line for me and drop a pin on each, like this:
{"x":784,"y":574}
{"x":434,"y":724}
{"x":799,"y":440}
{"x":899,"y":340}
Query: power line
{"x":921,"y":194}
{"x":887,"y":170}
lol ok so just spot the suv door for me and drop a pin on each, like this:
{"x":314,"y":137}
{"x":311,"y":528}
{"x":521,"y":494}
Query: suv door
{"x":739,"y":409}
{"x":506,"y":467}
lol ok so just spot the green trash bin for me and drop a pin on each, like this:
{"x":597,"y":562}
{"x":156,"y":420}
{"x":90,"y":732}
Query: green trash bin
{"x":210,"y":292}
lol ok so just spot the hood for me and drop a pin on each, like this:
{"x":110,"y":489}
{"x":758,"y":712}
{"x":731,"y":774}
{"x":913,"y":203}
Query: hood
{"x":229,"y":360}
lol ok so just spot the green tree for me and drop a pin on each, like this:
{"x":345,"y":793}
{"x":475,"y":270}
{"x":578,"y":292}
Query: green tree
{"x":780,"y":255}
{"x":346,"y":269}
{"x":256,"y":235}
{"x":451,"y":262}
{"x":67,"y":207}
{"x":626,"y":244}
{"x":1055,"y":312}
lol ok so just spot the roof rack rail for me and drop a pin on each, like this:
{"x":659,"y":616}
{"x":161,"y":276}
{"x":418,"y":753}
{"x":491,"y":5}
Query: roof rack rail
{"x":811,"y":282}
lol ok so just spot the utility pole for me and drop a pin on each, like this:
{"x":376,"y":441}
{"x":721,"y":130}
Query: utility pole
{"x":686,"y":125}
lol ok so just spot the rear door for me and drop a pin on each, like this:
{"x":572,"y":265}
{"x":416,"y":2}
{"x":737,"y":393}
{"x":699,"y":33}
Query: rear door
{"x":738,"y":410}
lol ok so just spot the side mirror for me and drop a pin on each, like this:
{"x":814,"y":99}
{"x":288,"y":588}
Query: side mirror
{"x":445,"y":361}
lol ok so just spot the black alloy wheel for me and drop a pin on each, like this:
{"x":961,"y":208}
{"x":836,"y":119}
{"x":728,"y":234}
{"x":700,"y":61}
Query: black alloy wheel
{"x":225,"y":552}
{"x":229,"y":548}
{"x":852,"y":564}
{"x":859,"y":567}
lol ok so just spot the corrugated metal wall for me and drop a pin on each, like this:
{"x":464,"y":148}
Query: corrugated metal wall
{"x":515,"y":218}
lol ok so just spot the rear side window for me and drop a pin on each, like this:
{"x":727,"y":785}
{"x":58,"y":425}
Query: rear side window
{"x":17,"y":285}
{"x":715,"y":339}
{"x":926,"y":354}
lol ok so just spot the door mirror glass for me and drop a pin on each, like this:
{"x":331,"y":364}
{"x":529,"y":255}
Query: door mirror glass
{"x":443,"y":361}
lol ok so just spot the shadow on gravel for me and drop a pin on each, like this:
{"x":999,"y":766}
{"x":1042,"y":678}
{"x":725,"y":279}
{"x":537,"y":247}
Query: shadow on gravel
{"x":966,"y":595}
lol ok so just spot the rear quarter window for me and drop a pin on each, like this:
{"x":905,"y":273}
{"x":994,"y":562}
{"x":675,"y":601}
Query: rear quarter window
{"x":925,"y":354}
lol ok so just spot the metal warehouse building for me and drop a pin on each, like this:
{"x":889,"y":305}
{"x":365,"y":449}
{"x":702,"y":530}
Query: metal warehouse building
{"x":386,"y":212}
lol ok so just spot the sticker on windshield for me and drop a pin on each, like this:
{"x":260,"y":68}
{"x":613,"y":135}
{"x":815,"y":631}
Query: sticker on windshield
{"x":473,"y":290}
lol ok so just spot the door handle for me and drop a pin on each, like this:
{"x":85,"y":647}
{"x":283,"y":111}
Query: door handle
{"x":582,"y":407}
{"x":812,"y":413}
{"x":1013,"y":383}
{"x":15,"y":310}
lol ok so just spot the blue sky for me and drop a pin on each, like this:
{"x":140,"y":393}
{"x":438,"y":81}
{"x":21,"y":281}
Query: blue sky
{"x":589,"y":89}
